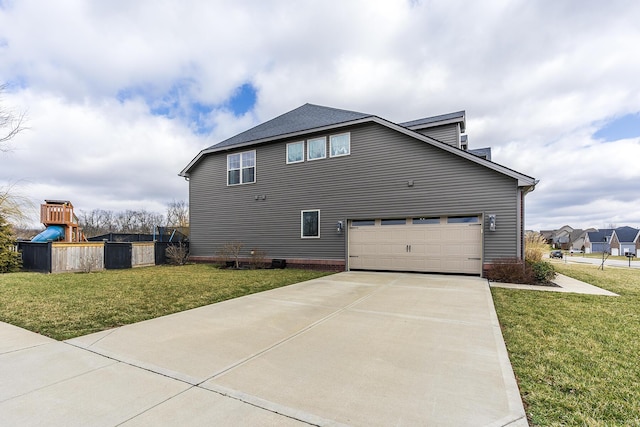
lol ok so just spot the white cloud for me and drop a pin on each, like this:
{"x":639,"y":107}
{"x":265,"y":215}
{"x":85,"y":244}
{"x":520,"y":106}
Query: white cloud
{"x":537,"y":79}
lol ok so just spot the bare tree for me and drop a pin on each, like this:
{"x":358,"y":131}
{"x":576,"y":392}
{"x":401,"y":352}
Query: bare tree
{"x":145,"y":221}
{"x":178,"y":214}
{"x":13,"y":206}
{"x":96,"y":222}
{"x":11,"y":123}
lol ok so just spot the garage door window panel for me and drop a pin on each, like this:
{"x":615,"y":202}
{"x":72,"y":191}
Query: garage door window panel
{"x":426,"y":220}
{"x":394,"y":221}
{"x":463,"y":219}
{"x":363,"y":222}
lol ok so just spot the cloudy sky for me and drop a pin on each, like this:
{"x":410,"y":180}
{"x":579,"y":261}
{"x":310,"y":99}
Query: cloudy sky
{"x":122,"y":94}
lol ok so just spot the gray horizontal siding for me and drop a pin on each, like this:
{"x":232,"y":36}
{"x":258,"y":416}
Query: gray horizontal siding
{"x":370,"y":183}
{"x":449,"y":134}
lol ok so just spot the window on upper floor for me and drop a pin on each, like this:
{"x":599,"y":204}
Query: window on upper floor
{"x":295,"y":152}
{"x":316,"y":148}
{"x":241,"y":168}
{"x":340,"y":145}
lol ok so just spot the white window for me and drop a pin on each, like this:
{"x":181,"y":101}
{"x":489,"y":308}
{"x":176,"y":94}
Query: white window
{"x":340,"y":145}
{"x":317,"y":148}
{"x":295,"y":152}
{"x":241,"y":168}
{"x":310,"y":224}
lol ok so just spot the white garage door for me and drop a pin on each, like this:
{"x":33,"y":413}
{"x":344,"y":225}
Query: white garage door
{"x":442,"y":244}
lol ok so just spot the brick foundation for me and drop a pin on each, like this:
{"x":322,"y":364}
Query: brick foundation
{"x":307,"y":264}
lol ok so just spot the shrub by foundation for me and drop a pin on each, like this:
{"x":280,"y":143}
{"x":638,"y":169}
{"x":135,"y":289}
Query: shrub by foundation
{"x":515,"y":270}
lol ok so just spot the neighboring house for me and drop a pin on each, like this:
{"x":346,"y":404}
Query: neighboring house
{"x":320,"y":186}
{"x":598,"y":241}
{"x":548,"y":235}
{"x":561,"y":238}
{"x":624,"y":240}
{"x":577,"y":238}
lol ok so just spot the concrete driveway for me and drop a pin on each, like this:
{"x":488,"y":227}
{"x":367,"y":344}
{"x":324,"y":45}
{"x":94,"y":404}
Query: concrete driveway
{"x":354,"y":348}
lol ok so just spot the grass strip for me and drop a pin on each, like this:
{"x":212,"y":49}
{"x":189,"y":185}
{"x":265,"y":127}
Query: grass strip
{"x":576,"y":356}
{"x":67,"y":305}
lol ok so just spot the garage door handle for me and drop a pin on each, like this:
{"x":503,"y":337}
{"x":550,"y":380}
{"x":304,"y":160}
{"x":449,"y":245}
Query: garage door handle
{"x":353,"y":256}
{"x":475,"y":259}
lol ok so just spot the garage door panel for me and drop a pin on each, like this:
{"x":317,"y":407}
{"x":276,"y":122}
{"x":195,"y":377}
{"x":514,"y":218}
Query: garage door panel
{"x":446,"y":248}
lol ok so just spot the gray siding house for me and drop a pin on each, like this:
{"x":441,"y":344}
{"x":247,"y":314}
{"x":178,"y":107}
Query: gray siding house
{"x":320,"y":186}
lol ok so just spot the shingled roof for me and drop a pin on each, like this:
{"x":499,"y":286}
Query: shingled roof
{"x":626,"y":234}
{"x":306,"y":117}
{"x":599,"y":236}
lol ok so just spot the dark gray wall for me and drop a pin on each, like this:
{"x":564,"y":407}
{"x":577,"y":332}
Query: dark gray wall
{"x":449,"y":134}
{"x":370,"y":183}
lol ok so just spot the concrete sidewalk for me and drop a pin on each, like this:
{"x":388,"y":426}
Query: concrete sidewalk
{"x":354,"y":348}
{"x":565,"y":284}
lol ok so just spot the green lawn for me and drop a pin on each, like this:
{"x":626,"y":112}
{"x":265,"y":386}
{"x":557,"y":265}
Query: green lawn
{"x":576,"y":357}
{"x":598,"y":255}
{"x":68,"y":305}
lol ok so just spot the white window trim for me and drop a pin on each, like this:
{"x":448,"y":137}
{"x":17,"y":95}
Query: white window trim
{"x":287,"y":153}
{"x":348,"y":134}
{"x":324,"y":142}
{"x":302,"y":236}
{"x":255,"y":168}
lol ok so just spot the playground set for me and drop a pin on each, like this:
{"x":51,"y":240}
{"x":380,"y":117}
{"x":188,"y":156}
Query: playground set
{"x":60,"y":222}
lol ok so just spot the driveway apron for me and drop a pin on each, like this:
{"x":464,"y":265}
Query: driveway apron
{"x":353,"y":348}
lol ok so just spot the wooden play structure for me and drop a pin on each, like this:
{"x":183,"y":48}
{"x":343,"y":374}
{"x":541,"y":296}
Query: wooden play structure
{"x":61,"y":222}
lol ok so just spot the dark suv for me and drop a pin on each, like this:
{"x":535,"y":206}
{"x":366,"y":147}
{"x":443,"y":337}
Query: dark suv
{"x":555,"y":254}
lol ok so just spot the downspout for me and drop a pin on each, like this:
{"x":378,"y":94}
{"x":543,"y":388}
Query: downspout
{"x":523,"y":192}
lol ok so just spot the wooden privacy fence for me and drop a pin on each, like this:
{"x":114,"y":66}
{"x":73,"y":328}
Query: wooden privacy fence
{"x":54,"y":257}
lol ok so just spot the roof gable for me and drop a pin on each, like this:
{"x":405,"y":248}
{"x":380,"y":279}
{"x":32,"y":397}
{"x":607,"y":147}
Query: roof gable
{"x":626,"y":234}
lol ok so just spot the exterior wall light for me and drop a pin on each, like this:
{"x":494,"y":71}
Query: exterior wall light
{"x":340,"y":226}
{"x":492,"y":222}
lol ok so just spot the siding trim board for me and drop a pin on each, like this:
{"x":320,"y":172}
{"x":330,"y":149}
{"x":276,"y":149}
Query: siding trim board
{"x":391,"y":172}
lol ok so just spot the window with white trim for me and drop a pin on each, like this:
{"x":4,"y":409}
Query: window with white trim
{"x":295,"y":152}
{"x":340,"y":145}
{"x":316,"y":148}
{"x":310,"y":224}
{"x":241,"y":168}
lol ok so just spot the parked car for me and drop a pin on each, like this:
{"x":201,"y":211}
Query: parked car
{"x":555,"y":254}
{"x":575,"y":251}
